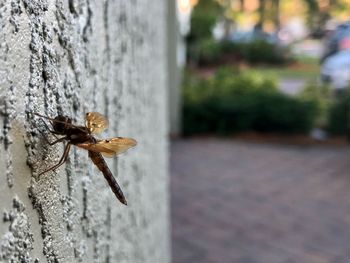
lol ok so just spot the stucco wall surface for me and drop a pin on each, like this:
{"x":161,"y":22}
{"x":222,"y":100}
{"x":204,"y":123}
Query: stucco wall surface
{"x":70,"y":57}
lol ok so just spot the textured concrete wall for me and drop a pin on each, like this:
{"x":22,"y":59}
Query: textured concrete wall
{"x":71,"y":57}
{"x":174,"y":69}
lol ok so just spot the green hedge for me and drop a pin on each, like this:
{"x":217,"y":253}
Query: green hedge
{"x":260,"y":51}
{"x":339,"y":115}
{"x":323,"y":96}
{"x":206,"y":51}
{"x":232,"y":102}
{"x":333,"y":113}
{"x":210,"y":51}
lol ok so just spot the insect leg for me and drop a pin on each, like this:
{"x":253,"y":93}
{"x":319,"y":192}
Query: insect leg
{"x":57,"y":141}
{"x":53,"y":133}
{"x":48,"y":128}
{"x":57,"y":121}
{"x":54,"y":142}
{"x":51,"y":120}
{"x":62,"y":160}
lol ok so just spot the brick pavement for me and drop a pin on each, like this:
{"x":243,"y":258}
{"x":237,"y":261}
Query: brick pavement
{"x":255,"y":203}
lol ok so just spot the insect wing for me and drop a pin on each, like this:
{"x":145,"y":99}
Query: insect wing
{"x":95,"y":122}
{"x":116,"y":145}
{"x":110,"y":147}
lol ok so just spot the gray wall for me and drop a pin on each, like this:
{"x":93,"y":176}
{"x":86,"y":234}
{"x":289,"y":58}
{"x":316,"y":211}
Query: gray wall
{"x":73,"y":57}
{"x":174,"y":69}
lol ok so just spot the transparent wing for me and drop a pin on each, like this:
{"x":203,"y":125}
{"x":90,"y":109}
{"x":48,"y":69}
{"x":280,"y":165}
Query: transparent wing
{"x":95,"y":122}
{"x":109,"y":147}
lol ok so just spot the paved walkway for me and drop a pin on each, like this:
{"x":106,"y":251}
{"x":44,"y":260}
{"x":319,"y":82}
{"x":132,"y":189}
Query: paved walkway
{"x":292,"y":86}
{"x":255,"y":203}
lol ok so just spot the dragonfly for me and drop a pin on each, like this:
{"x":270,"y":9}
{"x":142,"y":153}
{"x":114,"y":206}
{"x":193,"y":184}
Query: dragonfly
{"x":83,"y":137}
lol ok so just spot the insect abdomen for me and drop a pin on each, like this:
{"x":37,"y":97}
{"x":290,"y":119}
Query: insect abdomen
{"x":102,"y":166}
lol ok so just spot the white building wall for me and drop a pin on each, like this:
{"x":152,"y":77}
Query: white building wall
{"x":71,"y":57}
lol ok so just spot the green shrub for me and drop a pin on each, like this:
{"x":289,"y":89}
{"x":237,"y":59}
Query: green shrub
{"x":323,"y":97}
{"x":233,"y":101}
{"x":332,"y":112}
{"x":261,"y":51}
{"x":209,"y":51}
{"x":339,"y":115}
{"x":206,"y":51}
{"x":235,"y":49}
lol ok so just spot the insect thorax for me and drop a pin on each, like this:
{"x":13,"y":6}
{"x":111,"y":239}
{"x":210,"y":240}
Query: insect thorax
{"x":62,"y":124}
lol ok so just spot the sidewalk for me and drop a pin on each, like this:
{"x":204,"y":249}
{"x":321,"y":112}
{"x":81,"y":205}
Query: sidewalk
{"x":235,"y":202}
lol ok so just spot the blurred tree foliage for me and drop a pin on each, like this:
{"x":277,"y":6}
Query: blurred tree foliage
{"x":203,"y":19}
{"x":204,"y":49}
{"x":317,"y":15}
{"x":318,"y":12}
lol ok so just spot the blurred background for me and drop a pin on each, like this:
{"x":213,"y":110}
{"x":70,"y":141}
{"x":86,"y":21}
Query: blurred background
{"x":260,"y":125}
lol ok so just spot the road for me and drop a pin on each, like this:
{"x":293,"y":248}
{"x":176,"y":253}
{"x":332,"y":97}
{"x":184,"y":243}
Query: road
{"x":238,"y":202}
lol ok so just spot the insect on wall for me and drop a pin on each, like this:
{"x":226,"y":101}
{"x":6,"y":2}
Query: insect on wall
{"x":82,"y":136}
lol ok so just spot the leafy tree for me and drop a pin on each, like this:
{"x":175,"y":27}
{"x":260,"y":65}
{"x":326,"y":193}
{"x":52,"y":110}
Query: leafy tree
{"x":203,"y":19}
{"x":317,"y":16}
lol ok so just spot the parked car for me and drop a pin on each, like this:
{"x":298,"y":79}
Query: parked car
{"x":336,"y":70}
{"x":338,"y":40}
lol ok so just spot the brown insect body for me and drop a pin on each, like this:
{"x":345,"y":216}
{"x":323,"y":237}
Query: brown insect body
{"x":73,"y":134}
{"x":98,"y":160}
{"x":82,"y":137}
